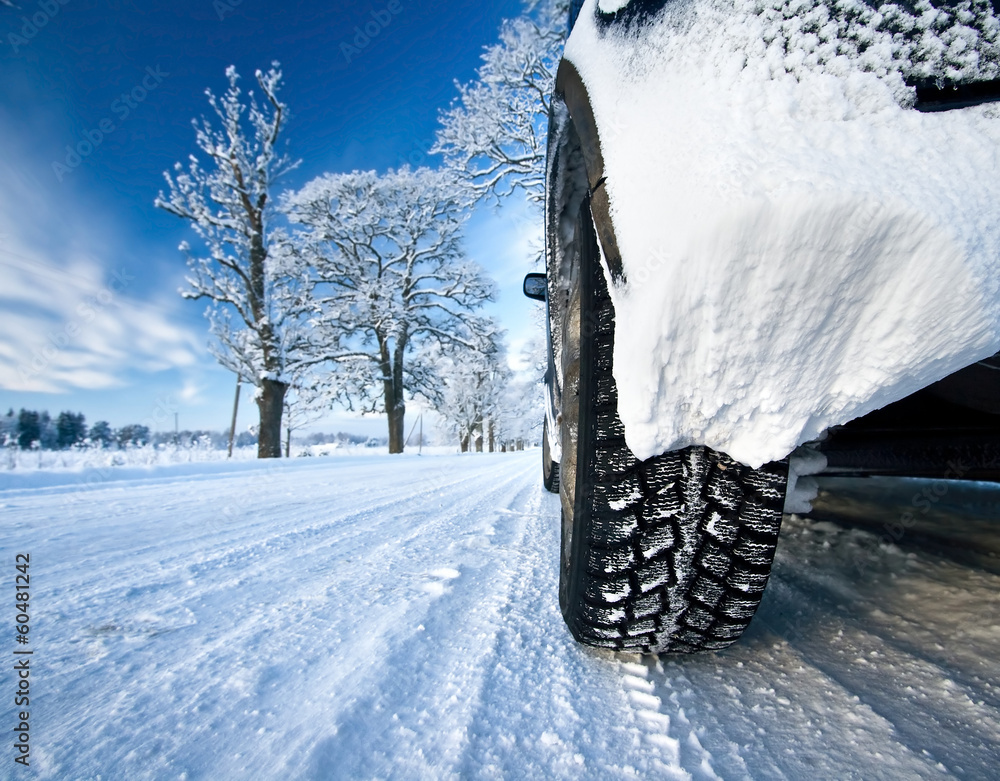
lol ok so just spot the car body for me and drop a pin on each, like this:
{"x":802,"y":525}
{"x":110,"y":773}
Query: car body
{"x":795,"y":214}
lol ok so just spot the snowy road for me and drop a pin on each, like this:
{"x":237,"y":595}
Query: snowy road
{"x":377,"y":617}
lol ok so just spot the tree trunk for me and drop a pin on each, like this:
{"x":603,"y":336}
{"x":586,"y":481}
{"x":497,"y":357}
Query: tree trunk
{"x":477,"y":433}
{"x":399,"y":410}
{"x":392,"y":388}
{"x":464,"y":443}
{"x":492,"y":439}
{"x":288,"y":443}
{"x":270,"y":403}
{"x":396,"y":432}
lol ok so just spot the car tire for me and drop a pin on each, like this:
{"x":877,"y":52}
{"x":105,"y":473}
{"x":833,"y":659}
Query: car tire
{"x":550,"y":468}
{"x":670,"y":554}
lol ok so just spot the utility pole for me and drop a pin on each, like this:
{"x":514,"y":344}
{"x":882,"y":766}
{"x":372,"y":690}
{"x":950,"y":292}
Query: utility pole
{"x":420,"y":444}
{"x":232,"y":426}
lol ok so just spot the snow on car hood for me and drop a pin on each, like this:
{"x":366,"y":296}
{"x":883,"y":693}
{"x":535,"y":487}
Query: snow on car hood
{"x":799,"y":246}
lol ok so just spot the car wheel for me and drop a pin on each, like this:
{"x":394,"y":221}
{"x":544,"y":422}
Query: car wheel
{"x":550,"y":469}
{"x":667,"y":554}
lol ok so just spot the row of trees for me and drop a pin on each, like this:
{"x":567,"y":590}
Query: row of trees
{"x":355,"y":288}
{"x":493,"y":140}
{"x":476,"y":425}
{"x":32,"y":429}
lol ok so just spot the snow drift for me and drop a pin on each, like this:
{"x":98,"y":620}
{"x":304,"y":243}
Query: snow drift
{"x":800,"y":246}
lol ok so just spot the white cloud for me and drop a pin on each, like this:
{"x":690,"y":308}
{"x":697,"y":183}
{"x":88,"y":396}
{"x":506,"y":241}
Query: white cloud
{"x":191,"y":392}
{"x":70,"y":323}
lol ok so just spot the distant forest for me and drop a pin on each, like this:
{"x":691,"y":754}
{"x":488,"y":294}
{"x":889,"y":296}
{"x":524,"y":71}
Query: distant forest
{"x":33,"y":430}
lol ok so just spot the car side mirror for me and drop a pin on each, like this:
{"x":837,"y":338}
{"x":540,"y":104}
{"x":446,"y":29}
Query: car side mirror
{"x":535,"y":286}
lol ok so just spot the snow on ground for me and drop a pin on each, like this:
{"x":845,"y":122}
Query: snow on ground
{"x":397,"y":617}
{"x":84,"y":469}
{"x":107,"y":460}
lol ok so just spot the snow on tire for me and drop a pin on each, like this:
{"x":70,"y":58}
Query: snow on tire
{"x":667,"y":554}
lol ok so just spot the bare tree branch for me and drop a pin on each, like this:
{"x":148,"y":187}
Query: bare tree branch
{"x":248,"y":269}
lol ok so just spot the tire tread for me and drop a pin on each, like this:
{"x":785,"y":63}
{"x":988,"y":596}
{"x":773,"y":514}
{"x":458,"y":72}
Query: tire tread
{"x":678,"y":548}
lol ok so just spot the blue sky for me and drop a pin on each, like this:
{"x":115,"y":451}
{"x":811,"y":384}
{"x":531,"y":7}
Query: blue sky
{"x":89,"y":269}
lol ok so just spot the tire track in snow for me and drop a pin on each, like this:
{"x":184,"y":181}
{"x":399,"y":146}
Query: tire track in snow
{"x":394,"y":574}
{"x":262,"y":504}
{"x":550,"y":708}
{"x":665,"y":725}
{"x":768,"y":714}
{"x":892,"y":649}
{"x":415,"y":724}
{"x":338,"y":606}
{"x":832,"y":680}
{"x":249,"y":546}
{"x":390,"y":590}
{"x":261,"y":652}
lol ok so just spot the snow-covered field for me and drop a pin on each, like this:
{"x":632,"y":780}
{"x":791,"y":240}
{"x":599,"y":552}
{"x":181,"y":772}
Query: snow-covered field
{"x":396,"y":617}
{"x":110,"y":460}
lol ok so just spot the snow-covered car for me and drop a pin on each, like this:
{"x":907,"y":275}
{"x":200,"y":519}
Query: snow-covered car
{"x":769,"y":223}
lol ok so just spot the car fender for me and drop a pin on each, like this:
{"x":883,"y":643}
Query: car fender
{"x":776,"y":268}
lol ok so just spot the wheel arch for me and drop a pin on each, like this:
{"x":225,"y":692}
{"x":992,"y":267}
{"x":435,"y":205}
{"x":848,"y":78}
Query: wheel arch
{"x":575,"y":171}
{"x":573,"y":94}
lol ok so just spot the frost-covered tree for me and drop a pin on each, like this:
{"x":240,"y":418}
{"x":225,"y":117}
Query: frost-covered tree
{"x":494,"y":135}
{"x":101,"y":434}
{"x":133,"y":435}
{"x":8,"y":428}
{"x":474,"y":385}
{"x":70,"y":429}
{"x":521,"y":411}
{"x":522,"y":407}
{"x":391,"y":282}
{"x":307,"y":401}
{"x":254,"y":296}
{"x":29,"y":428}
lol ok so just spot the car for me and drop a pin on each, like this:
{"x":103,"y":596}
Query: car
{"x":772,"y":248}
